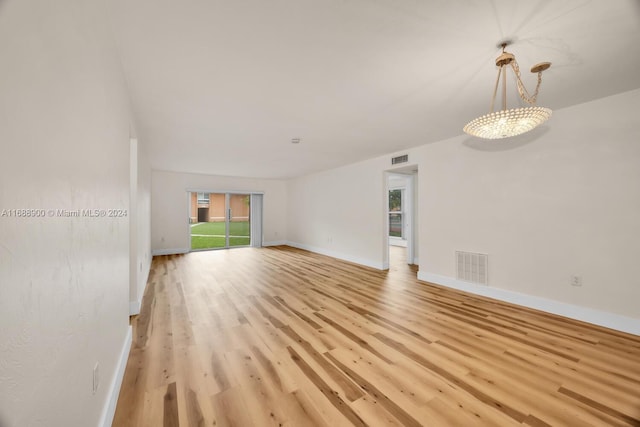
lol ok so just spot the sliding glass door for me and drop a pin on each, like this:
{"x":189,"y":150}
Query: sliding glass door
{"x":219,"y":220}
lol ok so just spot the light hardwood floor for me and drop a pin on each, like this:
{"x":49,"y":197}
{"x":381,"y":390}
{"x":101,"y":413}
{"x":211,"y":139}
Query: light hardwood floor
{"x":279,"y":336}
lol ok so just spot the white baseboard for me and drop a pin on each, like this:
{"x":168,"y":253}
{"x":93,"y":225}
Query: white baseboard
{"x":274,"y":243}
{"x":169,"y":251}
{"x":323,"y":251}
{"x":584,"y":314}
{"x":114,"y":388}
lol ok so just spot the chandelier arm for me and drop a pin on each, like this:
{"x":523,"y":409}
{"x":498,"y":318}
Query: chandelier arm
{"x":495,"y":90}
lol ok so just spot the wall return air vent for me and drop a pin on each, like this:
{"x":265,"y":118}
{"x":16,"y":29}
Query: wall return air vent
{"x":400,"y":159}
{"x":472,"y":267}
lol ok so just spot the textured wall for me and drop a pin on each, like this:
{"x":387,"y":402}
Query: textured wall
{"x":64,"y":144}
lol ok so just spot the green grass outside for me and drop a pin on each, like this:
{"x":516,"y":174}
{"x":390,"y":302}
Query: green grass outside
{"x":211,"y":235}
{"x":240,"y":228}
{"x":212,"y":242}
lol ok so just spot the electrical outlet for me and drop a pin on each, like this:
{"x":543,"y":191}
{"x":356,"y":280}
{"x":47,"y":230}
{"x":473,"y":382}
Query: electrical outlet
{"x":575,"y":280}
{"x":96,"y":377}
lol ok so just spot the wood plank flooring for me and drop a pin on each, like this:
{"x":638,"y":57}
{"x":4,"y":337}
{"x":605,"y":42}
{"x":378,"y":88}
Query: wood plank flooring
{"x":283,"y":337}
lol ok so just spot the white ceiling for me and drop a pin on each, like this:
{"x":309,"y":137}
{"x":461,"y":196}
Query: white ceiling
{"x":221,"y":87}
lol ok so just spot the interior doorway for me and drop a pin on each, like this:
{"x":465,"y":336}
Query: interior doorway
{"x":400,"y":240}
{"x":219,"y":220}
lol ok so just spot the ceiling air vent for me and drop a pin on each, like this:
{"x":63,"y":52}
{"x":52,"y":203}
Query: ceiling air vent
{"x":400,"y":159}
{"x":472,"y":267}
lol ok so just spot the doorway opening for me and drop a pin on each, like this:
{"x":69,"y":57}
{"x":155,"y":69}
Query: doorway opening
{"x":400,"y":240}
{"x":219,"y":220}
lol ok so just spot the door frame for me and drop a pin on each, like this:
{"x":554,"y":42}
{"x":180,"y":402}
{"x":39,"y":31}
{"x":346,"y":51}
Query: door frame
{"x":410,"y":211}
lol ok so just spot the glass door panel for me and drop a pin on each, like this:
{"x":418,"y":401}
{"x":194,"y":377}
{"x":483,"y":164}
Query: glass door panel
{"x":208,"y":221}
{"x":239,"y":220}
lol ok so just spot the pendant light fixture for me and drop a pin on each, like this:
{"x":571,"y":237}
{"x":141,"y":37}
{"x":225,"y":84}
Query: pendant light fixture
{"x":515,"y":121}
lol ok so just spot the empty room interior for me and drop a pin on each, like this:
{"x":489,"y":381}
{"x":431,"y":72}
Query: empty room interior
{"x":319,"y":213}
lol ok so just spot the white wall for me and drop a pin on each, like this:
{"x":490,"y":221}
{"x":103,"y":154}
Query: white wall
{"x":564,"y":204}
{"x":560,"y":201}
{"x":170,"y":206}
{"x":139,"y":224}
{"x":64,"y":144}
{"x":341,"y":212}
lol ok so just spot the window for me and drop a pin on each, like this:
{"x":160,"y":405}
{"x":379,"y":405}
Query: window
{"x":203,"y":198}
{"x":396,"y":222}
